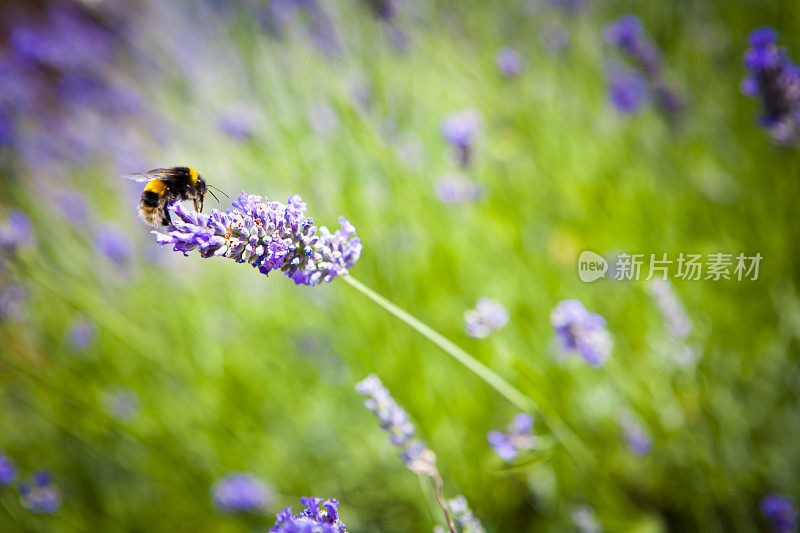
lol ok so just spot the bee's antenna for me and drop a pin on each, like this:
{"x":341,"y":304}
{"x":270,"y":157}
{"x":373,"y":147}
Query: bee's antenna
{"x":219,"y":190}
{"x":214,"y":195}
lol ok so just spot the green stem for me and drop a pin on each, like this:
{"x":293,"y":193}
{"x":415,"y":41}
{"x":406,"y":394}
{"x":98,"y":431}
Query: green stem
{"x":568,"y":439}
{"x":481,"y":370}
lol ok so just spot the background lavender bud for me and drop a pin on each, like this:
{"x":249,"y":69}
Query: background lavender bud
{"x":584,"y":518}
{"x":509,"y":62}
{"x":461,"y":130}
{"x":459,"y":189}
{"x":519,"y":438}
{"x":40,"y":495}
{"x":8,"y":473}
{"x":115,"y":245}
{"x":80,"y":335}
{"x":627,"y":90}
{"x":15,"y":232}
{"x":775,"y":79}
{"x":636,"y":436}
{"x":488,"y":315}
{"x":241,"y":492}
{"x":582,"y":332}
{"x":781,"y":512}
{"x":121,"y":403}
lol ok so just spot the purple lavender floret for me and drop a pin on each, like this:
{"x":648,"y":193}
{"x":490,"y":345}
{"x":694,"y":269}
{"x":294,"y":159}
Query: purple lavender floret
{"x":457,"y":189}
{"x":319,"y":516}
{"x":40,"y":496}
{"x":581,"y":331}
{"x":510,"y":62}
{"x":781,"y":512}
{"x":241,"y":492}
{"x":267,"y":235}
{"x":8,"y":472}
{"x":775,"y":79}
{"x":395,"y":421}
{"x":636,"y":437}
{"x":80,"y":335}
{"x":519,"y":438}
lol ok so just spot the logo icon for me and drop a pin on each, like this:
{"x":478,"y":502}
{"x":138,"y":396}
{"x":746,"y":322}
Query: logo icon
{"x":591,"y":266}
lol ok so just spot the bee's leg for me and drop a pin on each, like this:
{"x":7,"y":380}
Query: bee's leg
{"x":166,"y":220}
{"x":198,"y":205}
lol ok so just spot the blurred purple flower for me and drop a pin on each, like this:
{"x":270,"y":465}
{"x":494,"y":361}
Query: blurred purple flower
{"x":775,"y":79}
{"x":487,"y":316}
{"x":627,"y":90}
{"x":581,"y":331}
{"x":8,"y":473}
{"x":395,"y":421}
{"x":121,"y":403}
{"x":781,"y":512}
{"x":115,"y":245}
{"x":319,"y":516}
{"x":80,"y":335}
{"x":636,"y":436}
{"x":12,"y":299}
{"x":267,"y":235}
{"x":672,"y":311}
{"x":384,"y":9}
{"x":459,"y":189}
{"x":241,"y":492}
{"x":15,"y":232}
{"x":461,"y":130}
{"x":519,"y":438}
{"x":40,"y":496}
{"x":510,"y":62}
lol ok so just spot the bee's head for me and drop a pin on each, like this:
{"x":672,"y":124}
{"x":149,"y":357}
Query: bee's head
{"x":201,"y":186}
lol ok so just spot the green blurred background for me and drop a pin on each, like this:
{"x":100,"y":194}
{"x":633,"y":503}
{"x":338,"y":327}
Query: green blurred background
{"x":221,"y":369}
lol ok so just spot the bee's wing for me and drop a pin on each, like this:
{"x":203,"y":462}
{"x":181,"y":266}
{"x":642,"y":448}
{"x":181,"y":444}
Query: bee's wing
{"x":155,"y":174}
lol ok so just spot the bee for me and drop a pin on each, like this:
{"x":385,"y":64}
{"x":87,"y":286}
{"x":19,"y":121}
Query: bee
{"x":166,"y":186}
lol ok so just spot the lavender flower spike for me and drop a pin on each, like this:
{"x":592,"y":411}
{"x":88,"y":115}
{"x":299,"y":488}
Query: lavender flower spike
{"x":581,"y":331}
{"x":519,"y":438}
{"x":395,"y":421}
{"x":463,"y":516}
{"x":267,"y":235}
{"x":775,"y":79}
{"x":315,"y":518}
{"x":41,"y":496}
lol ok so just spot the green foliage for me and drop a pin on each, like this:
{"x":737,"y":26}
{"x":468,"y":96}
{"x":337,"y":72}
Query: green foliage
{"x":237,"y":372}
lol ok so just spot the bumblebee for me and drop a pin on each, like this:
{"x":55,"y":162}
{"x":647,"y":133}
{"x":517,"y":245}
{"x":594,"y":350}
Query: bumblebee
{"x":166,"y":186}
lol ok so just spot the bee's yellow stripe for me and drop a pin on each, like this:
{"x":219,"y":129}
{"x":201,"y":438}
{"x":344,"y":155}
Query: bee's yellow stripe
{"x":157,"y":186}
{"x":193,"y":176}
